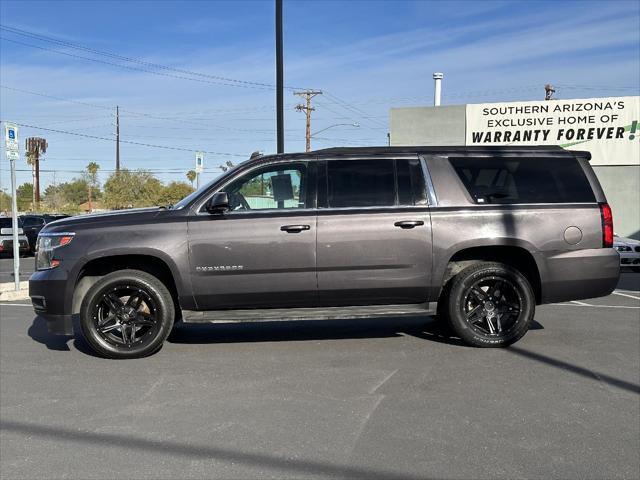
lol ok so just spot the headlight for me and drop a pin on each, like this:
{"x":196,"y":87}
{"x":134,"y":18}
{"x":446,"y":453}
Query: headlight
{"x":47,"y":243}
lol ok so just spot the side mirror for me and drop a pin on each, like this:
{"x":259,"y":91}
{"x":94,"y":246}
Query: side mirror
{"x":218,"y":203}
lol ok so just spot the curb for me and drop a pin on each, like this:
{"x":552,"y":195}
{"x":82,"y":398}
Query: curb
{"x":8,"y":293}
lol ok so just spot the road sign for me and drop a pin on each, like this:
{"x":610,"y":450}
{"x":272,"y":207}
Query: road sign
{"x":13,"y":154}
{"x":11,"y":137}
{"x":199,"y":162}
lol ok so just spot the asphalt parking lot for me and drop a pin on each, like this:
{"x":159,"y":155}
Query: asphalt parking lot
{"x":27,"y":265}
{"x":386,"y":398}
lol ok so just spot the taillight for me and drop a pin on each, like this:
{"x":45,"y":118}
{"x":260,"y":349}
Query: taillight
{"x":607,"y":225}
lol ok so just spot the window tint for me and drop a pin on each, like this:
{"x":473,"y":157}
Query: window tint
{"x":7,"y":222}
{"x":273,"y":187}
{"x":32,"y":221}
{"x":524,"y":180}
{"x":360,"y":183}
{"x":411,"y":186}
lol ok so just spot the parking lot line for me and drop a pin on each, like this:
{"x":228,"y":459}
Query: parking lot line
{"x":618,"y":292}
{"x":582,"y":304}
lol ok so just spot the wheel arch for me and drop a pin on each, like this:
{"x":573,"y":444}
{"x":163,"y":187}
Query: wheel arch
{"x":95,"y":268}
{"x":514,"y":255}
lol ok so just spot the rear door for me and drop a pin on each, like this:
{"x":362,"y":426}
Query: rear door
{"x":374,"y":231}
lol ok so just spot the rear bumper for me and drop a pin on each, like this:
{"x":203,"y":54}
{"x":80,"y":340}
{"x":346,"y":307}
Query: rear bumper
{"x":580,"y":274}
{"x":50,"y":300}
{"x":6,"y":246}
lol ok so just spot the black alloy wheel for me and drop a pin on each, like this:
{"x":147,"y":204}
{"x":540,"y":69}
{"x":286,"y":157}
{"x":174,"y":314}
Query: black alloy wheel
{"x":490,"y":304}
{"x":127,"y":314}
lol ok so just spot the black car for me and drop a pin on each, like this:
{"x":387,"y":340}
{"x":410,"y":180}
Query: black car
{"x":32,"y":224}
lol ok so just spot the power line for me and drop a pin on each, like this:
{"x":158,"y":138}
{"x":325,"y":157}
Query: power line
{"x":127,"y":67}
{"x":95,"y":137}
{"x":218,"y":79}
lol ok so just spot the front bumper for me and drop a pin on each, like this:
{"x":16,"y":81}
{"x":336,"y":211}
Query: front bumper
{"x":629,"y":259}
{"x":580,"y":274}
{"x":51,"y":299}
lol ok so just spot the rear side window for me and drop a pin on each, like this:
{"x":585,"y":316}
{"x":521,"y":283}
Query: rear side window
{"x":360,"y":183}
{"x":524,"y":180}
{"x":411,"y":185}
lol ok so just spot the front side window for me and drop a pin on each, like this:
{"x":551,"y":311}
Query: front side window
{"x":273,"y":187}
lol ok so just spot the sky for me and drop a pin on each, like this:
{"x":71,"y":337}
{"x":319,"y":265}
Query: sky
{"x":199,"y":75}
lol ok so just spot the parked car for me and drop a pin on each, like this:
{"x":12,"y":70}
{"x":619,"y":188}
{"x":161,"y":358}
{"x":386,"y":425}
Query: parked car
{"x":6,"y":238}
{"x":629,"y":250}
{"x":480,"y":235}
{"x":33,"y":223}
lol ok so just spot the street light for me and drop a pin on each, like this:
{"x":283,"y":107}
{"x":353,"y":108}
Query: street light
{"x":355,"y":124}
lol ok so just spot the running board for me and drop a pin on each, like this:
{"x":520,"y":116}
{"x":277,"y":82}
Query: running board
{"x":317,"y":313}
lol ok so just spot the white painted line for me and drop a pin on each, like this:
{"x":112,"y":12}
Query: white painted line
{"x":617,"y":292}
{"x":580,"y":304}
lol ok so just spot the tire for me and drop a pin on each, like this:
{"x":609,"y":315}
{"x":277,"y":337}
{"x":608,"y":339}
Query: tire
{"x":127,"y":314}
{"x":490,"y":305}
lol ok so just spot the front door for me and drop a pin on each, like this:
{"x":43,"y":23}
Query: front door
{"x":374,"y":232}
{"x":262,"y":252}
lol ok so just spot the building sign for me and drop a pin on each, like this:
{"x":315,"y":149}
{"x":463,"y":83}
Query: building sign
{"x":607,"y":127}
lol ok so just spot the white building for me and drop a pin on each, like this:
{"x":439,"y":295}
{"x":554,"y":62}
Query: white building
{"x":609,"y":128}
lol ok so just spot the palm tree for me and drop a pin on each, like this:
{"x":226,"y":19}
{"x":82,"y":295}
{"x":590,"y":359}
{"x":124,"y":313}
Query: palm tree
{"x":92,"y":172}
{"x":191,"y":176}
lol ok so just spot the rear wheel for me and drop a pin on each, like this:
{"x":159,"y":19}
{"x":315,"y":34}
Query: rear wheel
{"x":490,"y":305}
{"x":127,"y":314}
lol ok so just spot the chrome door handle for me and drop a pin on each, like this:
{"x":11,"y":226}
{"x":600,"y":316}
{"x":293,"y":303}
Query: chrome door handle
{"x":294,"y":228}
{"x":408,"y":223}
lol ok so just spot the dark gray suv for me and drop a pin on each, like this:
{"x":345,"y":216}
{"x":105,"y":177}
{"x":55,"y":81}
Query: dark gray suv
{"x":478,"y":235}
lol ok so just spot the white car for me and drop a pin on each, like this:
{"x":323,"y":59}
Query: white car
{"x":6,"y":238}
{"x":629,"y":250}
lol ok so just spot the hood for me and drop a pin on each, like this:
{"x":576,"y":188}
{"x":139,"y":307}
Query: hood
{"x":126,"y":218}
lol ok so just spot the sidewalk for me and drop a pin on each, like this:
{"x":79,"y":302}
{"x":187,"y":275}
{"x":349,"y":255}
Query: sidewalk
{"x":8,"y":292}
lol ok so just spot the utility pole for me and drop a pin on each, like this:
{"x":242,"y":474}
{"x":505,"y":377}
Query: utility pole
{"x":117,"y":139}
{"x":307,"y":108}
{"x":279,"y":79}
{"x":34,"y":147}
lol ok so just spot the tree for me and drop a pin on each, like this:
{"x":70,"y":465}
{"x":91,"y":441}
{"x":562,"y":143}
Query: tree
{"x":191,"y":176}
{"x":173,"y":192}
{"x":76,"y":191}
{"x":25,"y":196}
{"x":92,"y":174}
{"x":126,"y":189}
{"x":5,"y":202}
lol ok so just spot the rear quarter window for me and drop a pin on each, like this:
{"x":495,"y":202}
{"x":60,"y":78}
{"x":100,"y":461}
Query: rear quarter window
{"x":524,"y":180}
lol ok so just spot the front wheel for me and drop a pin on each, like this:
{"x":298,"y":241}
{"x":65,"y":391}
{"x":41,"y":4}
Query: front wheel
{"x":490,"y":305}
{"x":127,"y":314}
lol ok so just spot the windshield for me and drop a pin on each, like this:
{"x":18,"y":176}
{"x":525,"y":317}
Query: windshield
{"x":192,"y":196}
{"x":189,"y":198}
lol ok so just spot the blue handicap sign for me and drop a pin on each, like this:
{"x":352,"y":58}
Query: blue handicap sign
{"x":12,"y":134}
